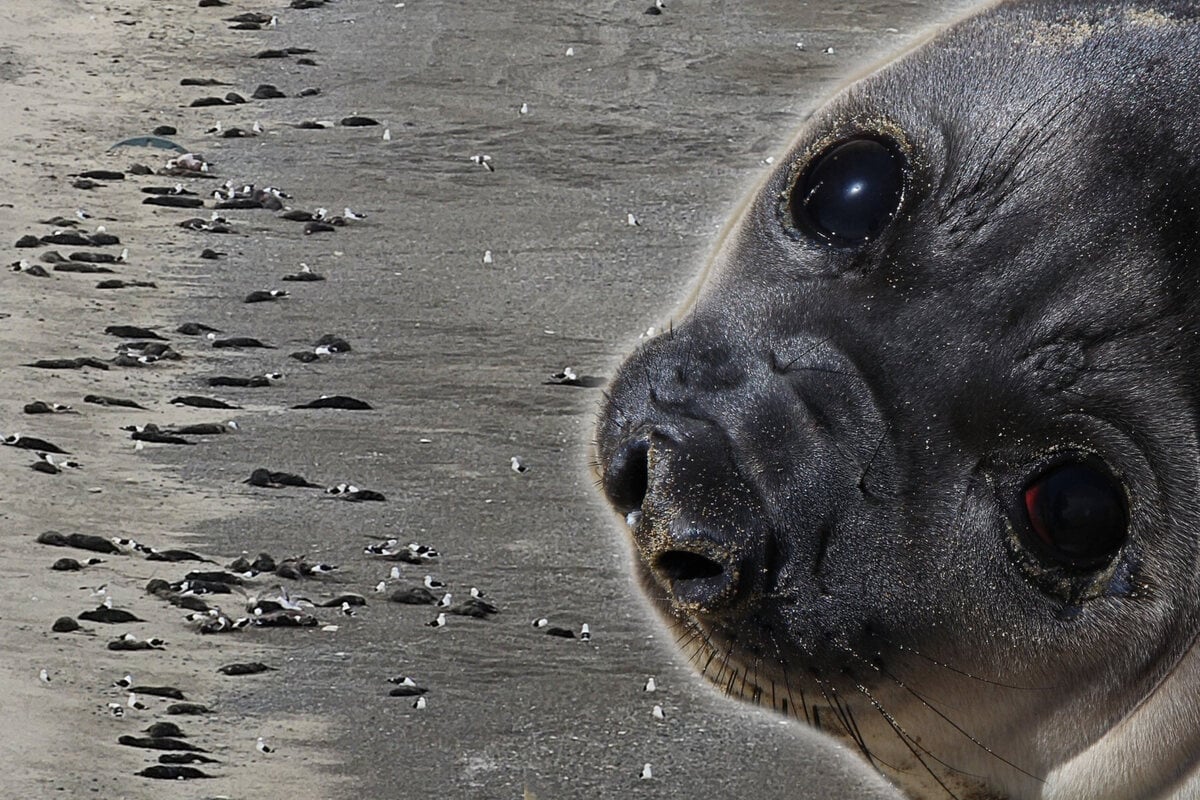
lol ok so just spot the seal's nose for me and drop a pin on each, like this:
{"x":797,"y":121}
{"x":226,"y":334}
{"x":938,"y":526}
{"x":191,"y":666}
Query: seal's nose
{"x":628,"y":475}
{"x":696,"y":569}
{"x":687,"y":511}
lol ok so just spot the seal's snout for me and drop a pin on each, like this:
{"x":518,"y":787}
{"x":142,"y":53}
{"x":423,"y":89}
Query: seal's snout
{"x":677,"y":486}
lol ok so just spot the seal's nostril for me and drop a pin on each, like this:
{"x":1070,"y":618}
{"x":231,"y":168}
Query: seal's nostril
{"x":628,"y":477}
{"x":680,"y":565}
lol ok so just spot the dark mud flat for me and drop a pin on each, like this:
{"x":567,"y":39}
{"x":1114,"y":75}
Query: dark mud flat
{"x":667,"y":117}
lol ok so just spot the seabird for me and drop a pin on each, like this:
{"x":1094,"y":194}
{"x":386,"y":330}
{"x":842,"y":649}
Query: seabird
{"x":517,"y":465}
{"x":44,"y":676}
{"x":647,"y":773}
{"x":650,"y":686}
{"x":419,"y":704}
{"x":585,"y":633}
{"x":487,"y":257}
{"x":445,"y":601}
{"x":630,"y":219}
{"x":263,"y":747}
{"x":432,"y":583}
{"x":657,"y":712}
{"x":484,"y":161}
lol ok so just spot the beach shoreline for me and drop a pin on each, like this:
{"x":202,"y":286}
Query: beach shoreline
{"x":669,"y":118}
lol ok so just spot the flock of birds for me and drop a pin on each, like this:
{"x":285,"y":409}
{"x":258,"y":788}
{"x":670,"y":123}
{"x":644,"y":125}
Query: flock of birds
{"x":225,"y":597}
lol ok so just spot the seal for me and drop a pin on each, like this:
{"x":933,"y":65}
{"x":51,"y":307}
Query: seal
{"x":918,"y":463}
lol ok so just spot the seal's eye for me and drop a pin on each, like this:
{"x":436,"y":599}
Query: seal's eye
{"x":1077,"y":511}
{"x":849,"y":192}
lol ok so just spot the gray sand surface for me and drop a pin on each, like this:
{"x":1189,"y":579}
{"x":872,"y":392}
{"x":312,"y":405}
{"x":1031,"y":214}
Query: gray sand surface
{"x":666,"y":117}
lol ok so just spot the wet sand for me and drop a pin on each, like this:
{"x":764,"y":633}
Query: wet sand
{"x":667,"y":117}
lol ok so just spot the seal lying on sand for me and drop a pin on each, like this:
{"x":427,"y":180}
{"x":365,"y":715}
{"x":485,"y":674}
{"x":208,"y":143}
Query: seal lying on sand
{"x":920,"y":464}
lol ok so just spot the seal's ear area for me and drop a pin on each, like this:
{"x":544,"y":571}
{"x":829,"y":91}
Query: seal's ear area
{"x":848,"y":192}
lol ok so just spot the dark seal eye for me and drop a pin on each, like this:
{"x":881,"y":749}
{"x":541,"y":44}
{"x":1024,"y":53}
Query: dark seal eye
{"x":1077,"y":511}
{"x":849,"y":192}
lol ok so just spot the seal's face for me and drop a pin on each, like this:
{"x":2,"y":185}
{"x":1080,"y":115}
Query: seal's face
{"x":919,"y":463}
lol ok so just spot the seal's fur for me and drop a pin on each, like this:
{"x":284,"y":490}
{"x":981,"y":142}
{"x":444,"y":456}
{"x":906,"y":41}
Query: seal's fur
{"x":819,"y":461}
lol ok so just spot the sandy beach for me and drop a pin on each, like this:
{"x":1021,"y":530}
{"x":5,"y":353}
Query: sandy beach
{"x":588,"y":113}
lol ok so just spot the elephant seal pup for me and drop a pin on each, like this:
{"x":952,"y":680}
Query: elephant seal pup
{"x":920,"y":463}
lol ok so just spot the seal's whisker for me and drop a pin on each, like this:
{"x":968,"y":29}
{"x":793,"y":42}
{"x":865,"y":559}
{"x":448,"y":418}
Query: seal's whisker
{"x":786,"y":367}
{"x":835,"y":705}
{"x":925,"y":702}
{"x":912,"y":744}
{"x":755,"y":685}
{"x":790,"y":700}
{"x":963,"y":673}
{"x":960,"y":191}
